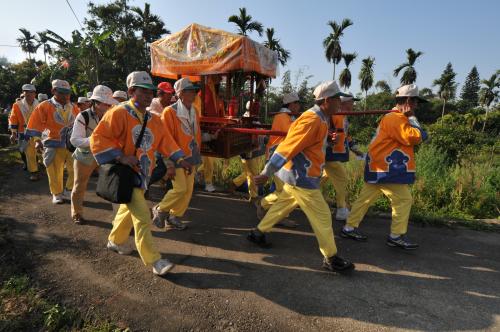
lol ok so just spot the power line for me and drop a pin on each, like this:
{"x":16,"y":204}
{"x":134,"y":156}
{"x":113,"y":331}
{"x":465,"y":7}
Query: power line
{"x":76,"y":17}
{"x":5,"y":45}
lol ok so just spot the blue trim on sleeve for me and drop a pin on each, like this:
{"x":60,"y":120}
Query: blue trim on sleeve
{"x":33,"y":133}
{"x":13,"y":126}
{"x":277,"y":160}
{"x":107,"y":156}
{"x":177,"y":155}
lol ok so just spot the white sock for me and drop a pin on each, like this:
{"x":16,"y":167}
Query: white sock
{"x":348,"y":228}
{"x":394,"y":236}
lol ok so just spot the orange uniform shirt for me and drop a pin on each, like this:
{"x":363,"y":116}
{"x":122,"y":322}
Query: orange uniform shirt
{"x":281,"y":122}
{"x":50,"y":122}
{"x":117,"y":132}
{"x":391,"y":156}
{"x":20,"y":115}
{"x":340,"y":150}
{"x":186,"y":133}
{"x":300,"y":158}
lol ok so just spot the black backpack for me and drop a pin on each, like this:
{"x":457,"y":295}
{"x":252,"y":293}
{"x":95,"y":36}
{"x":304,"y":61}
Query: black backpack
{"x":70,"y":147}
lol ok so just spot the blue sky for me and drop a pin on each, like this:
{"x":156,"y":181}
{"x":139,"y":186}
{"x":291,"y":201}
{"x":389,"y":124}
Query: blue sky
{"x":461,"y":32}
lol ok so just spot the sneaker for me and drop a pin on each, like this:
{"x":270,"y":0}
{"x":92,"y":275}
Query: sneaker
{"x":259,"y":239}
{"x":342,"y":214}
{"x":159,"y":217}
{"x":34,"y":176}
{"x":337,"y":264}
{"x":78,"y":219}
{"x":288,"y":223}
{"x":57,"y":199}
{"x":162,"y":266}
{"x":354,"y":234}
{"x":210,"y":188}
{"x":402,"y":242}
{"x":174,"y":223}
{"x":66,"y":194}
{"x":261,"y":212}
{"x":119,"y":248}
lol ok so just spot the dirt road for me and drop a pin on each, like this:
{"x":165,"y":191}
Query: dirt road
{"x":222,"y":282}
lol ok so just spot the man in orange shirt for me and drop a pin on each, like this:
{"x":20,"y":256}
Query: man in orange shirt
{"x":299,"y":161}
{"x":281,"y":122}
{"x":48,"y":125}
{"x":338,"y":154}
{"x":18,"y":120}
{"x":113,"y":140}
{"x":182,"y":121}
{"x":390,"y":169}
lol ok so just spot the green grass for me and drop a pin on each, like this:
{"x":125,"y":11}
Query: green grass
{"x":24,"y":308}
{"x":9,"y":156}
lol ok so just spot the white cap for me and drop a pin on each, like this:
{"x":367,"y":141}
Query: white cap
{"x":140,"y":79}
{"x":289,"y":98}
{"x":349,"y":97}
{"x":82,"y":100}
{"x":42,"y":97}
{"x":62,"y":85}
{"x":28,"y":87}
{"x":89,"y":94}
{"x":184,"y":84}
{"x":104,"y":95}
{"x":120,"y":94}
{"x":410,"y":90}
{"x":327,"y":89}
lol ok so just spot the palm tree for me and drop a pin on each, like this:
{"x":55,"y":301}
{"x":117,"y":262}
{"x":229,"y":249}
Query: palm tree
{"x":410,"y":74}
{"x":383,"y":86}
{"x":333,"y":49}
{"x":275,"y":45}
{"x":427,"y":93}
{"x":345,"y":75}
{"x":489,"y":93}
{"x":366,"y":75}
{"x":151,"y":25}
{"x":27,"y":41}
{"x":43,"y":41}
{"x":447,"y":86}
{"x":245,"y":24}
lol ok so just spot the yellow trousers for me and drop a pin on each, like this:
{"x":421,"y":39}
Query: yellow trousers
{"x":335,"y":170}
{"x":55,"y":171}
{"x":313,"y":204}
{"x":177,"y":199}
{"x":82,"y":176}
{"x":270,"y":199}
{"x":135,"y":214}
{"x":398,"y":194}
{"x":30,"y":153}
{"x":250,"y":169}
{"x":208,"y":169}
